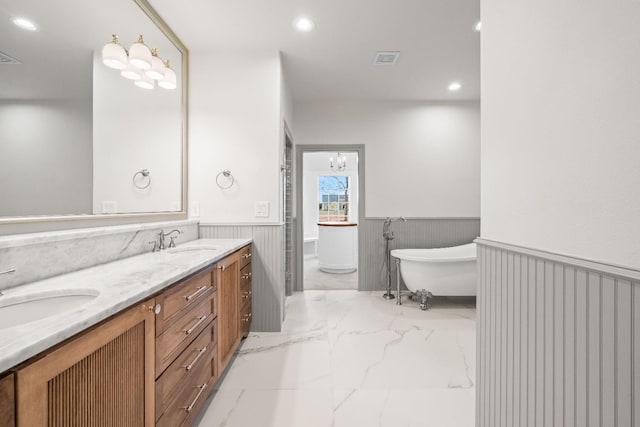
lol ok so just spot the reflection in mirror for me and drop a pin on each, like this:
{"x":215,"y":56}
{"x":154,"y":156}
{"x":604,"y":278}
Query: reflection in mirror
{"x":74,"y":134}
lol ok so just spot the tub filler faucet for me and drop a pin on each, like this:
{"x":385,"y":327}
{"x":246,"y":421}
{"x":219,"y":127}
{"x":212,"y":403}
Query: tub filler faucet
{"x":388,"y":235}
{"x":386,"y":227}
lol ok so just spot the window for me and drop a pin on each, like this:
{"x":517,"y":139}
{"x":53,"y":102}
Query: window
{"x":333,"y":198}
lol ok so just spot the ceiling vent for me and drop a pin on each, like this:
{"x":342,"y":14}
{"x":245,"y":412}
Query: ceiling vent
{"x":386,"y":58}
{"x":6,"y":59}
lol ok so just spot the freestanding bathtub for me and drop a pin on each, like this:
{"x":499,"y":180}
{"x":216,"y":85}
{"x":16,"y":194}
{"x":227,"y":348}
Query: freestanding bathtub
{"x":438,"y":272}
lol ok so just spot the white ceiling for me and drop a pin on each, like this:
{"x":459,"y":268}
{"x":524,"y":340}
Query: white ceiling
{"x":334,"y":62}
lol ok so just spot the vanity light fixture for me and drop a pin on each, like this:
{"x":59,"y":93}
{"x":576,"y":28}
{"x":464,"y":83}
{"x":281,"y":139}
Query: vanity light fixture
{"x":170,"y":80}
{"x":131,"y":64}
{"x":455,"y":86}
{"x":113,"y":54}
{"x":140,"y":55}
{"x":24,"y":23}
{"x":340,"y":163}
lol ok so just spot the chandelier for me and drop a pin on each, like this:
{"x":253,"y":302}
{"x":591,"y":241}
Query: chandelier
{"x":340,"y":164}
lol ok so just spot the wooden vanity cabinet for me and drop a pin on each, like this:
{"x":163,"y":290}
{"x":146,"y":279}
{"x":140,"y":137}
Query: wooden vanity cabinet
{"x":234,"y":291}
{"x":7,"y":401}
{"x":186,"y":348}
{"x":246,"y":294}
{"x":228,"y":279}
{"x":104,"y":376}
{"x":153,"y":364}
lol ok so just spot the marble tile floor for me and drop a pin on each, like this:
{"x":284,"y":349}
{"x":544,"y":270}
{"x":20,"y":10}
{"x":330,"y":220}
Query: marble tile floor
{"x":315,"y":279}
{"x":349,"y":358}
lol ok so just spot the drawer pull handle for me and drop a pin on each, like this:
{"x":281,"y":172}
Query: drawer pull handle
{"x":198,"y":323}
{"x":246,"y":294}
{"x":190,"y":407}
{"x":245,"y":256}
{"x":196,"y":293}
{"x":194,"y":361}
{"x":246,"y":276}
{"x":222,"y":267}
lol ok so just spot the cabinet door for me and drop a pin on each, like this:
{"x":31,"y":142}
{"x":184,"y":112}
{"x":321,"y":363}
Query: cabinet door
{"x":103,"y":377}
{"x":7,"y":402}
{"x":228,"y":283}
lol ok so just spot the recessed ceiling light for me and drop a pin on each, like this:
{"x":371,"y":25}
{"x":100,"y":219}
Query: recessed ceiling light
{"x":303,"y":24}
{"x":478,"y":26}
{"x":25,"y":24}
{"x":455,"y":86}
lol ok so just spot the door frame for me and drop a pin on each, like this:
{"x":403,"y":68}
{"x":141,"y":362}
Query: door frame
{"x":288,"y":143}
{"x":298,"y":173}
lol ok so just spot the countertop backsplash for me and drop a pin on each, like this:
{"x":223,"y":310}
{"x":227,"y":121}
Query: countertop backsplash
{"x":38,"y":256}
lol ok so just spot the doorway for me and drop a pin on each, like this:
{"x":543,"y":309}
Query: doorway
{"x":329,"y":209}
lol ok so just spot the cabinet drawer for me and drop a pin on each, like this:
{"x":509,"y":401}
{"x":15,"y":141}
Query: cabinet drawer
{"x":181,"y":297}
{"x":245,"y":255}
{"x":182,"y":332}
{"x":245,"y":319}
{"x":245,"y":284}
{"x":200,"y":352}
{"x":186,"y":405}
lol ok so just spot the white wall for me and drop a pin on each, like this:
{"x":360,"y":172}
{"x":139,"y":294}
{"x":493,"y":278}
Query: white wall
{"x":316,"y":165}
{"x":135,"y":129}
{"x":286,"y":119}
{"x":235,"y":124}
{"x":422,"y":159}
{"x":561,"y":126}
{"x":45,"y":157}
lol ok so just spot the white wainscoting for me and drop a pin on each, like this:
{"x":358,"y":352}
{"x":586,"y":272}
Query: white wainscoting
{"x":558,"y":340}
{"x":267,"y":270}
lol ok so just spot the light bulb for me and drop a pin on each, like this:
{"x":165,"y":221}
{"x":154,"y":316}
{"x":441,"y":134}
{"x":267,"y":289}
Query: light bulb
{"x":131,"y":73}
{"x":455,"y":86}
{"x":304,"y":25}
{"x":114,"y":55}
{"x":145,"y":83}
{"x":140,"y":55}
{"x":157,"y":70}
{"x":170,"y":80}
{"x":24,"y":23}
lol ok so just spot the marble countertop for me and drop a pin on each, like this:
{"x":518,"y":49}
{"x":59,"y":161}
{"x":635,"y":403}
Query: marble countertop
{"x":118,"y":285}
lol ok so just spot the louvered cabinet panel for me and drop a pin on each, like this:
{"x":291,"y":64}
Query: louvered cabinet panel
{"x":102,"y":378}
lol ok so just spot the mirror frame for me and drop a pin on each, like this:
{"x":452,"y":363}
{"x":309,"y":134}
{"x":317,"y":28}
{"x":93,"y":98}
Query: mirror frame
{"x":87,"y":220}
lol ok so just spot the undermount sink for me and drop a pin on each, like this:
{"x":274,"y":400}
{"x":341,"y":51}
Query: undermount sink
{"x":193,"y":249}
{"x":21,"y":309}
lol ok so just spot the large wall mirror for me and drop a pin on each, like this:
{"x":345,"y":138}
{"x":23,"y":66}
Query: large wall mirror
{"x":77,"y":139}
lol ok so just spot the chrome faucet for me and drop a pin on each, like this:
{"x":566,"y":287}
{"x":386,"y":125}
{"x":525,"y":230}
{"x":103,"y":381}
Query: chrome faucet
{"x":386,"y":227}
{"x":161,"y":239}
{"x":388,"y":235}
{"x":9,"y":271}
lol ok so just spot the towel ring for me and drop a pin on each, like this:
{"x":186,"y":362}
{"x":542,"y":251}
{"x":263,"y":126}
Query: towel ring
{"x":227,"y":174}
{"x":144,"y":174}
